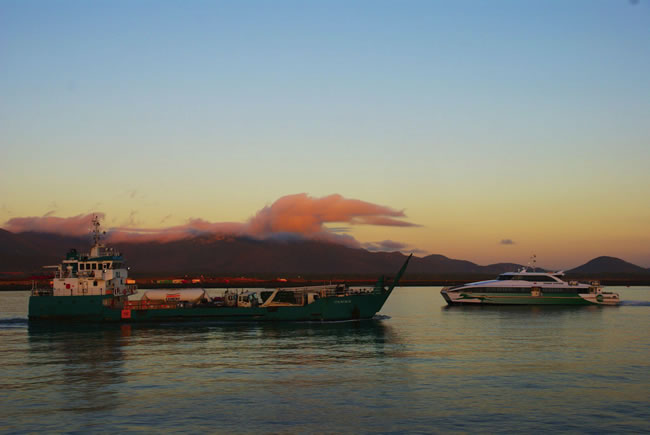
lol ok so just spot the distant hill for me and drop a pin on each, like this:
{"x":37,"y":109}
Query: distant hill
{"x":608,"y":265}
{"x":23,"y":252}
{"x":236,"y":256}
{"x":28,"y":252}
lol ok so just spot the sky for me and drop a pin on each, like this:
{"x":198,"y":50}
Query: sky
{"x":490,"y":130}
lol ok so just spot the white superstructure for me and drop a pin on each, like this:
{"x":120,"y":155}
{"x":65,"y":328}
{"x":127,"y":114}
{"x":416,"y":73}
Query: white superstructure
{"x":100,"y":272}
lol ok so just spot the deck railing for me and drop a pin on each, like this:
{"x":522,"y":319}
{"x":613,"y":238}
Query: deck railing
{"x":40,"y":291}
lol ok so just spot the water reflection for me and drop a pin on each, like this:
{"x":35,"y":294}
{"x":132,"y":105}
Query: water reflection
{"x":102,"y":368}
{"x":463,"y":369}
{"x":84,"y":361}
{"x":97,"y":351}
{"x":525,"y":309}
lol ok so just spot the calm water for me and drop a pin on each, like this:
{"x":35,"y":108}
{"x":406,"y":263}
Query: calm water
{"x":421,"y":368}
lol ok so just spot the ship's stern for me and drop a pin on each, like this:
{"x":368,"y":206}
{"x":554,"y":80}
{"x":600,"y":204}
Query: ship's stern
{"x":87,"y":308}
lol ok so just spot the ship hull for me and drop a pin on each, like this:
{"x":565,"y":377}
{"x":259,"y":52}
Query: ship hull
{"x":98,"y":309}
{"x":468,"y":298}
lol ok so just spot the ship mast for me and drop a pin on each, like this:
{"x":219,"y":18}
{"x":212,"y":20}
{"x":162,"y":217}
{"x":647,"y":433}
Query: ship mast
{"x":97,"y":237}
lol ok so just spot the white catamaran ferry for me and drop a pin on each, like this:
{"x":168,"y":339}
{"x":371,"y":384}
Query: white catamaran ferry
{"x":529,"y":288}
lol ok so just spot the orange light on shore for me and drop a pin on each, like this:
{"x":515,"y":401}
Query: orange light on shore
{"x":130,"y":281}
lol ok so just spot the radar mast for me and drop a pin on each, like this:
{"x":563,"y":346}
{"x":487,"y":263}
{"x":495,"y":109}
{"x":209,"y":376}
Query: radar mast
{"x":98,"y":235}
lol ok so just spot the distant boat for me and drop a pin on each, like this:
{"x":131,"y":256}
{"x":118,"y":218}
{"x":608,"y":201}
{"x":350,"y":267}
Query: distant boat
{"x":93,"y":288}
{"x":529,"y":288}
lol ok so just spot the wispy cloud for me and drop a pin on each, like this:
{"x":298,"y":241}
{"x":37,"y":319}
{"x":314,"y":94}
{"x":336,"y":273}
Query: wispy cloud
{"x":391,"y":246}
{"x":290,"y":217}
{"x":193,"y":228}
{"x":132,"y":221}
{"x":385,"y":245}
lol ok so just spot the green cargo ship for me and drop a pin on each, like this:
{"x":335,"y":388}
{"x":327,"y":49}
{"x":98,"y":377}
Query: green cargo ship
{"x":93,"y":287}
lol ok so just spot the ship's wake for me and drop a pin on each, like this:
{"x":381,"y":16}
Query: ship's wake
{"x":13,"y":322}
{"x":635,"y":303}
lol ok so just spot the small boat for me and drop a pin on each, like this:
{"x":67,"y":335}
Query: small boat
{"x":93,"y":288}
{"x":529,"y":288}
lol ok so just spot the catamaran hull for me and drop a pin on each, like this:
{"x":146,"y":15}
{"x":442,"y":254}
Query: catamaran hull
{"x":98,"y":309}
{"x":467,"y":298}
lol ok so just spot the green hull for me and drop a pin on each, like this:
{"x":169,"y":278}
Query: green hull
{"x":109,"y":309}
{"x":92,"y":308}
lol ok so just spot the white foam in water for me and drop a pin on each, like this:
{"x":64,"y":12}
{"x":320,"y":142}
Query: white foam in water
{"x":636,"y":303}
{"x":16,"y":322}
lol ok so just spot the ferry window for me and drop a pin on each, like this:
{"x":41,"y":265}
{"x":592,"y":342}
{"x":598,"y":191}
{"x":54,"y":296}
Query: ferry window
{"x":95,"y":283}
{"x":505,"y":277}
{"x":538,"y":278}
{"x":94,"y":266}
{"x":81,"y":266}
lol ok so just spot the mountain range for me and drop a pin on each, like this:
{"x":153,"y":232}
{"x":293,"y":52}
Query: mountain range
{"x":26,"y":253}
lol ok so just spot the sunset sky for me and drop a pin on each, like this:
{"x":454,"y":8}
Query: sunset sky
{"x":480,"y":130}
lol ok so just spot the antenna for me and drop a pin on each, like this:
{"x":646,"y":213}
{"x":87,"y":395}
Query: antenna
{"x":97,"y":234}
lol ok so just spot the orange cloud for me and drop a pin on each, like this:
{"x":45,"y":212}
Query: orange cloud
{"x":292,"y":216}
{"x":302,"y":214}
{"x":74,"y":226}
